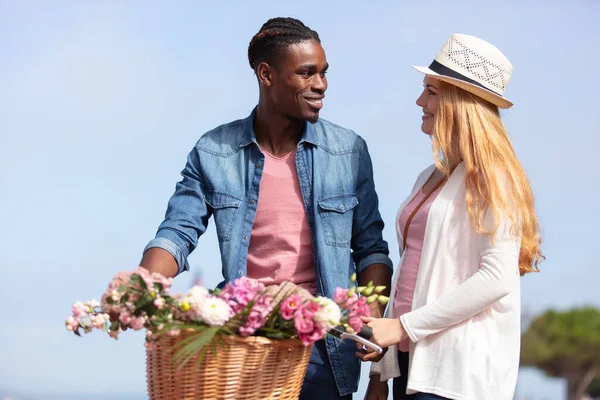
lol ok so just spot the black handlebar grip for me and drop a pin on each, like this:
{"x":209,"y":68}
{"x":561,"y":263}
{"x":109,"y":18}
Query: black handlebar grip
{"x":366,"y":332}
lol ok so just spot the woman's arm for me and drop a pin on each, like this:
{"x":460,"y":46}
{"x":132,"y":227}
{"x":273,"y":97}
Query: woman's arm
{"x":497,"y":276}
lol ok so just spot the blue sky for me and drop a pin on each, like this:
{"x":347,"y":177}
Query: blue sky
{"x":100,"y":102}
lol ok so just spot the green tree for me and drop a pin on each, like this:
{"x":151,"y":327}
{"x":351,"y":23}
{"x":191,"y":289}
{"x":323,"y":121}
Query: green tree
{"x":594,"y":389}
{"x":565,"y":344}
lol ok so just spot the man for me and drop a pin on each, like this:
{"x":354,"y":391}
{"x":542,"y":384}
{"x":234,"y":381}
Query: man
{"x":292,"y":196}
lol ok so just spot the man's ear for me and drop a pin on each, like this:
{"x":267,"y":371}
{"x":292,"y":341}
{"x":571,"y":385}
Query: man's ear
{"x":265,"y":72}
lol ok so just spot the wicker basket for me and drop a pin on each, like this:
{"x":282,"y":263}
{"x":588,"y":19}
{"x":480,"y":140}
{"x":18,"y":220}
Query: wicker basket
{"x":244,"y":368}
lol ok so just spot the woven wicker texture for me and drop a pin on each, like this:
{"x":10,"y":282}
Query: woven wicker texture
{"x":244,"y":368}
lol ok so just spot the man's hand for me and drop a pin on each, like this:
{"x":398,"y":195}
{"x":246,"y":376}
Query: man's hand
{"x":376,"y":390}
{"x":376,"y":311}
{"x":155,"y":260}
{"x":380,"y":275}
{"x":369,"y":354}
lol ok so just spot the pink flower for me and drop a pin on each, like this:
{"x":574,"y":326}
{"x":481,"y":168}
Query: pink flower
{"x":137,"y":323}
{"x":151,"y":345}
{"x":240,"y":292}
{"x":125,"y":318}
{"x":79,"y":310}
{"x":99,"y":321}
{"x":72,"y":324}
{"x":311,"y":337}
{"x":350,"y":302}
{"x":340,"y":295}
{"x":303,"y":317}
{"x":355,"y":322}
{"x":159,"y":302}
{"x":303,"y":325}
{"x":258,"y":315}
{"x":289,"y":306}
{"x":360,"y":302}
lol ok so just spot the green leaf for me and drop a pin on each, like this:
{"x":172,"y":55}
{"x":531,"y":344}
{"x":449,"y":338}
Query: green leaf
{"x":192,"y":345}
{"x":137,"y":279}
{"x":201,"y":356}
{"x":274,"y":333}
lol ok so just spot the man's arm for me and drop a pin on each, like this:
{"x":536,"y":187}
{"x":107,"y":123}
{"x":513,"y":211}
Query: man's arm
{"x":369,"y":250}
{"x":185,"y":220}
{"x":159,"y":260}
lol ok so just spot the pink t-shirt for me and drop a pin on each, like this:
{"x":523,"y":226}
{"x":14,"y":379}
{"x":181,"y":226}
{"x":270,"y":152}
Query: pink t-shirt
{"x":412,"y":254}
{"x":280,"y":246}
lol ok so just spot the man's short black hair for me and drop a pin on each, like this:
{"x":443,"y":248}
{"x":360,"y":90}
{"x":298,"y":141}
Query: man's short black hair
{"x":275,"y":36}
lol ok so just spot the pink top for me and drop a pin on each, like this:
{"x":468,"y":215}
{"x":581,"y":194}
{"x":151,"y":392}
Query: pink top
{"x":412,"y":254}
{"x":280,"y":246}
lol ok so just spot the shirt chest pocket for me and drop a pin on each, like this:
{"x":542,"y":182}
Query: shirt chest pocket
{"x":336,"y":214}
{"x":225,"y":209}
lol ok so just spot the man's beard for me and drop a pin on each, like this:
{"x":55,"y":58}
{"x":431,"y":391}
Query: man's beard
{"x":314,"y":119}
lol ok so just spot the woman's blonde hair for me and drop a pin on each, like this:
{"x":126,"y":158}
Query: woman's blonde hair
{"x":469,"y":129}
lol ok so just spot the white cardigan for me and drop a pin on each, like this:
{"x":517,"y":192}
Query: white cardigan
{"x":464,"y":325}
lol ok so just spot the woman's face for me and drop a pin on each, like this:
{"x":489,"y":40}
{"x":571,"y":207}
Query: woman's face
{"x":429,"y":102}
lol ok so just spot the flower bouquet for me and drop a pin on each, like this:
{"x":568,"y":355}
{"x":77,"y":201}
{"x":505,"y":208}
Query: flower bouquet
{"x":245,"y":341}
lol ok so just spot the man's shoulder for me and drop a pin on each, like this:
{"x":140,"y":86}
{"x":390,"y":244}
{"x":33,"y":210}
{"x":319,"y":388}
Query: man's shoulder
{"x":224,"y":139}
{"x":337,"y":139}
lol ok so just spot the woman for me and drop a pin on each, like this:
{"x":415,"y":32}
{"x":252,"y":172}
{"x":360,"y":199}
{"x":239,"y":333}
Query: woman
{"x":466,"y":234}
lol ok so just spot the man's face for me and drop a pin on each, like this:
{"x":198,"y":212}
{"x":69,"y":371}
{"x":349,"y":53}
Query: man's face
{"x":298,"y":81}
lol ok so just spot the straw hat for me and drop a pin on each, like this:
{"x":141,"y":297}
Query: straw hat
{"x":474,"y":65}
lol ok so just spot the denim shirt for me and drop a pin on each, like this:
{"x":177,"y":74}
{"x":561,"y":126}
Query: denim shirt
{"x":222,"y":179}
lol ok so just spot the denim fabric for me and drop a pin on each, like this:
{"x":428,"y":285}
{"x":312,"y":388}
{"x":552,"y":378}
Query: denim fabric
{"x":222,"y":179}
{"x":319,"y":382}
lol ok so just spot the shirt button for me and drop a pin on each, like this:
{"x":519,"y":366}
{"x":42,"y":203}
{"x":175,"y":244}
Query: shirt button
{"x":245,"y":237}
{"x":342,"y":207}
{"x":240,"y":273}
{"x":258,"y":165}
{"x":251,"y":201}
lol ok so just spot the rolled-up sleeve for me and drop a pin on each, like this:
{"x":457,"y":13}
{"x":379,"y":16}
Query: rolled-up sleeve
{"x":187,"y":215}
{"x":368,"y":246}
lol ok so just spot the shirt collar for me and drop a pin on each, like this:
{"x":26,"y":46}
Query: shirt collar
{"x":309,"y":134}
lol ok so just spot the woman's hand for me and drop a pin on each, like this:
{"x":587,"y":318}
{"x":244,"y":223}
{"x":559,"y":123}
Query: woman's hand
{"x":376,"y":390}
{"x":386,"y":331}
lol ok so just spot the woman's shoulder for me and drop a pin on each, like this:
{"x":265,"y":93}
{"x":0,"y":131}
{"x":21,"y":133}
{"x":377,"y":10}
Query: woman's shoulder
{"x":424,"y":175}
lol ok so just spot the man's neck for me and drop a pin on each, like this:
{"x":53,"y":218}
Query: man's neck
{"x":277,"y":134}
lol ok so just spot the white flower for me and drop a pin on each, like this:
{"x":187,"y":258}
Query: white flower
{"x":214,"y":311}
{"x":195,"y":295}
{"x":329,"y":314}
